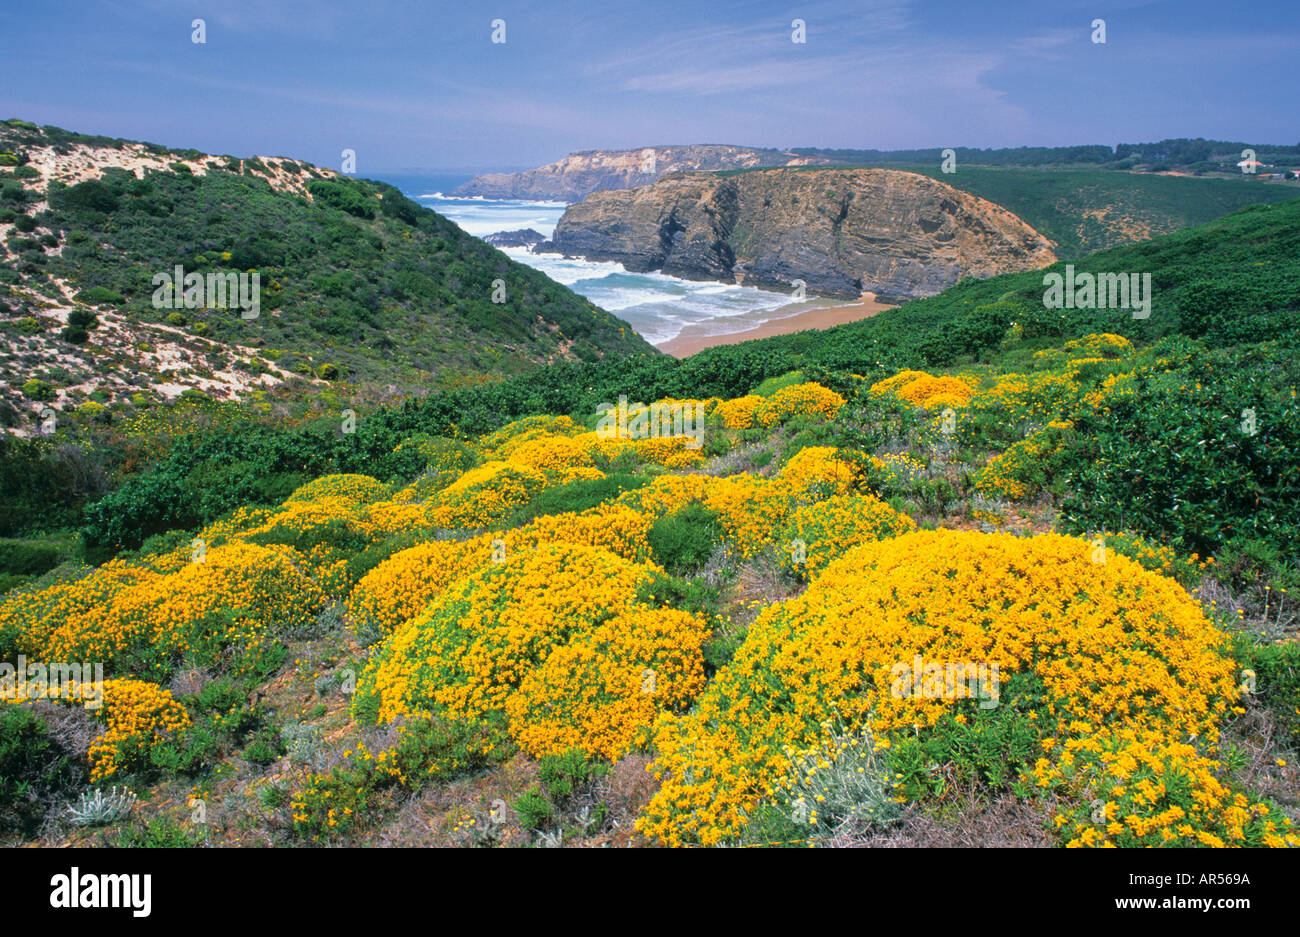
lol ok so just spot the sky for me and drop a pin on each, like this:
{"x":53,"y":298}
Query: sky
{"x":421,"y":85}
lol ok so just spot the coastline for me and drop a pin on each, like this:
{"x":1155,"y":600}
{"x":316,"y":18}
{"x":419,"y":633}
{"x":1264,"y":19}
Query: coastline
{"x":694,"y":338}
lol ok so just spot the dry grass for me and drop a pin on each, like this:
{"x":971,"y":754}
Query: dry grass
{"x":1006,"y":821}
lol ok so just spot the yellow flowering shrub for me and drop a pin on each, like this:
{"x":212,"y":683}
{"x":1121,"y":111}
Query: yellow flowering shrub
{"x":1036,"y":398}
{"x":828,"y":528}
{"x":1136,"y":787}
{"x":797,"y":400}
{"x":485,"y":495}
{"x":817,"y":465}
{"x":552,"y":453}
{"x":390,"y":517}
{"x":750,"y":509}
{"x":614,"y":527}
{"x":602,"y":691}
{"x":401,"y":586}
{"x":163,"y":615}
{"x":1114,"y":645}
{"x":136,"y":716}
{"x":479,"y":639}
{"x":358,"y":489}
{"x":669,"y":451}
{"x":502,"y":443}
{"x":742,"y":412}
{"x":666,"y":493}
{"x":927,"y":391}
{"x":674,"y":452}
{"x":1099,"y":345}
{"x":809,"y":399}
{"x":294,"y":518}
{"x":28,"y":619}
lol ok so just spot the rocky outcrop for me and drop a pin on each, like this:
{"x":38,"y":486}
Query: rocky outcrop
{"x":524,"y":237}
{"x":842,"y":231}
{"x":579,"y":174}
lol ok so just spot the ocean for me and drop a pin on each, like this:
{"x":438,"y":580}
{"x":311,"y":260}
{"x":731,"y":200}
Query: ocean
{"x":657,"y":306}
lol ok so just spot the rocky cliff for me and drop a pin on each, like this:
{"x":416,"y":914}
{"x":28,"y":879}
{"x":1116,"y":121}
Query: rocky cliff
{"x":579,"y":174}
{"x":843,"y":232}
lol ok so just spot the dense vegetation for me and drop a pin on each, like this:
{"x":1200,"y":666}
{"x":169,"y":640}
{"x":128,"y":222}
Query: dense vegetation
{"x":1181,"y":154}
{"x":549,"y":595}
{"x":356,"y":280}
{"x":478,"y":617}
{"x":1229,"y":282}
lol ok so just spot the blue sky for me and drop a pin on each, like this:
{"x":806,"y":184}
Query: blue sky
{"x":420,"y":85}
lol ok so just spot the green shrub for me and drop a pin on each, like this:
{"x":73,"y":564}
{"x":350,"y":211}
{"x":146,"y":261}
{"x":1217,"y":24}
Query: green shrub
{"x":160,"y":833}
{"x":1276,"y":669}
{"x":578,"y":495}
{"x":351,"y":794}
{"x":1175,"y":459}
{"x":28,"y":559}
{"x":27,"y":326}
{"x":100,"y":296}
{"x":533,"y":809}
{"x":564,"y":773}
{"x":267,"y":745}
{"x":82,"y":319}
{"x":36,"y":389}
{"x":33,"y":771}
{"x":684,"y":540}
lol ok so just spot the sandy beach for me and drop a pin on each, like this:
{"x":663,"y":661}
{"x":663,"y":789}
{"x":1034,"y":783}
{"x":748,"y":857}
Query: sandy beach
{"x":694,"y":338}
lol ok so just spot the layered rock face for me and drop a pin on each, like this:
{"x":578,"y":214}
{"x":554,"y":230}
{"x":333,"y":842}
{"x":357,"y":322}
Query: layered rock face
{"x":522,"y":237}
{"x":579,"y":174}
{"x":843,"y":232}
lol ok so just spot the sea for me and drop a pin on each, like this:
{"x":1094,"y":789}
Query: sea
{"x":659,"y":307}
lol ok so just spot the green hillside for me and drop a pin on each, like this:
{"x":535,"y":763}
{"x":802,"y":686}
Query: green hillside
{"x":1086,"y":210}
{"x":357,"y":282}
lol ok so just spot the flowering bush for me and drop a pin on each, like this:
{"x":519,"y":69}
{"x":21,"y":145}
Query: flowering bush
{"x":1136,"y":787}
{"x":137,"y":716}
{"x":602,"y":691}
{"x":1114,"y":645}
{"x":28,"y":619}
{"x":480,"y":638}
{"x":926,"y":390}
{"x":742,"y":412}
{"x":1028,"y":466}
{"x":139,"y":620}
{"x":556,"y":453}
{"x":399,"y":588}
{"x":358,"y":489}
{"x":830,"y":527}
{"x":485,"y":495}
{"x":502,"y":443}
{"x":808,"y":399}
{"x":817,"y":465}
